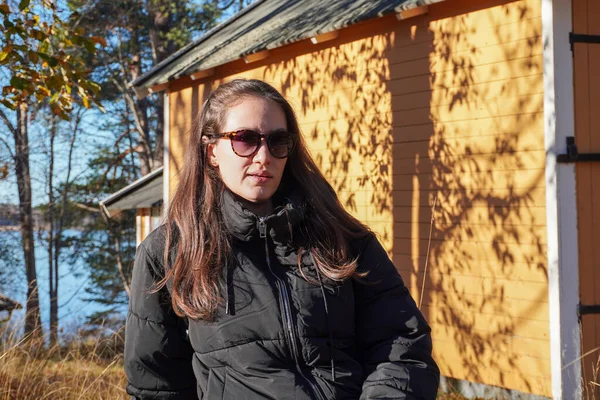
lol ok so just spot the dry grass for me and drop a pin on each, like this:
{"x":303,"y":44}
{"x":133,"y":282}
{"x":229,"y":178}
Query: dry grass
{"x":591,"y":387}
{"x":82,"y":369}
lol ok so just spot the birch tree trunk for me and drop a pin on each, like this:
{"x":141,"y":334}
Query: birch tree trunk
{"x":33,"y":324}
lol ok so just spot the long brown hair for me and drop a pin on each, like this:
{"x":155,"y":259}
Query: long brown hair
{"x":197,"y":246}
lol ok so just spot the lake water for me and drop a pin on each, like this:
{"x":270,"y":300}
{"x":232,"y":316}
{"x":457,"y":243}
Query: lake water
{"x":73,"y":308}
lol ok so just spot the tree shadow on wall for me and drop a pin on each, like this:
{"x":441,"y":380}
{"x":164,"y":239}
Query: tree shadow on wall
{"x":445,"y":108}
{"x":340,"y":99}
{"x":476,"y":150}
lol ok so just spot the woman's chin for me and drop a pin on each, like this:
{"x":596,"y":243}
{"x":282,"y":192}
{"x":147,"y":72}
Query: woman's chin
{"x":258,"y":203}
{"x":259,"y":195}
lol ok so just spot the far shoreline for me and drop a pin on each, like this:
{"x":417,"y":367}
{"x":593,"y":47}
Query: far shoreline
{"x":16,"y":228}
{"x":5,"y":228}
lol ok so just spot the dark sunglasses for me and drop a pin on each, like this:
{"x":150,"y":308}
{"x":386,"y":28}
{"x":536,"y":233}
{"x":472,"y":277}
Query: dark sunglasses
{"x":245,"y":142}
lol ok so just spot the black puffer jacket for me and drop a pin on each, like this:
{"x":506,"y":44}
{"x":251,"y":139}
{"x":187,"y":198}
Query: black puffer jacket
{"x":279,"y":336}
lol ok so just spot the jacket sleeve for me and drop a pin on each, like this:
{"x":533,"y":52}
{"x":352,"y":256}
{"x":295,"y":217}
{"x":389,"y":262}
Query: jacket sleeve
{"x":158,"y":356}
{"x":394,"y":339}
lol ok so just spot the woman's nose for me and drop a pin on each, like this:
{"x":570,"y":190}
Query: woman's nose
{"x":262,"y":155}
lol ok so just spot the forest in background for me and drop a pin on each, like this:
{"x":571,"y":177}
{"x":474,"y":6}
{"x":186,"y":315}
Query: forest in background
{"x":72,"y":132}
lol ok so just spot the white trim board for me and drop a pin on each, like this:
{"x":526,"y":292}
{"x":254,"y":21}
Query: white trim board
{"x":561,"y":202}
{"x":138,"y":228}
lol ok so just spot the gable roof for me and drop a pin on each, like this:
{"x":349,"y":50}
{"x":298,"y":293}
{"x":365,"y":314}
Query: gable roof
{"x":265,"y":25}
{"x":142,"y":193}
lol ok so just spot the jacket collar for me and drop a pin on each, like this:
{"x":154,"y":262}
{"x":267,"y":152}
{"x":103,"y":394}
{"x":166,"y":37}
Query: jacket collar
{"x":280,"y":225}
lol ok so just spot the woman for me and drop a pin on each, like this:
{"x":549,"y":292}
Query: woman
{"x":272,"y":291}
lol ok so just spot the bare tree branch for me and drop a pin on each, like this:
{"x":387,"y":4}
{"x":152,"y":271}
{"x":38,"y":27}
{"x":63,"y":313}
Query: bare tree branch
{"x":10,"y":152}
{"x":227,"y":6}
{"x":131,"y":104}
{"x":86,"y":207}
{"x":7,"y":122}
{"x":112,"y":166}
{"x":135,"y":113}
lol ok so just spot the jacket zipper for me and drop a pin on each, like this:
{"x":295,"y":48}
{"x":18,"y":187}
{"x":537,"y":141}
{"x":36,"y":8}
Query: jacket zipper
{"x":287,"y":314}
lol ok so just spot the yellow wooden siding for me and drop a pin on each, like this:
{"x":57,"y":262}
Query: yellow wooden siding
{"x":142,"y":226}
{"x":485,"y":269}
{"x":586,"y":63}
{"x":477,"y":230}
{"x":184,"y":103}
{"x":446,"y":106}
{"x":147,"y":219}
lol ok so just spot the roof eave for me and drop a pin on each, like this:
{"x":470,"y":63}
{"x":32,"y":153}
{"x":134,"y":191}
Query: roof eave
{"x":132,"y":187}
{"x":402,"y":11}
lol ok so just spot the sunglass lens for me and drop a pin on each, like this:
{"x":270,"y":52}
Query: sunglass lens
{"x":281,"y":144}
{"x":245,"y":142}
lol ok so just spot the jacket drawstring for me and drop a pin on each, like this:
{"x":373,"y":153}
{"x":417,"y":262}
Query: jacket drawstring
{"x":331,"y":356}
{"x":229,"y":301}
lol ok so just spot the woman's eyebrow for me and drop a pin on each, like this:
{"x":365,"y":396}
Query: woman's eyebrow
{"x":277,"y":130}
{"x":242,"y":128}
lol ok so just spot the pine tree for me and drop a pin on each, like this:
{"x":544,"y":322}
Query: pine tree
{"x":140,"y":34}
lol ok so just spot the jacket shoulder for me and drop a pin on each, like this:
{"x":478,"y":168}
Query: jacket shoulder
{"x":359,"y":245}
{"x":148,"y":270}
{"x":154,"y":243}
{"x":374,"y":259}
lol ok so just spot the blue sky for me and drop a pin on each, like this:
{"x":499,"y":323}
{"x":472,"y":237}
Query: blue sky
{"x":87,"y":138}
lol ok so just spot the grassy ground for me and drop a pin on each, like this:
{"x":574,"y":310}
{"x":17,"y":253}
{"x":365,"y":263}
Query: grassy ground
{"x":61,"y":380}
{"x":83,"y":369}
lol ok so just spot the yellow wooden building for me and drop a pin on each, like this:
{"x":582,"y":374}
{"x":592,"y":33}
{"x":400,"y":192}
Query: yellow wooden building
{"x":444,"y":126}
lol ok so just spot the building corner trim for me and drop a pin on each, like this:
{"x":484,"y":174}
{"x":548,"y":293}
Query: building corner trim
{"x":561,"y":202}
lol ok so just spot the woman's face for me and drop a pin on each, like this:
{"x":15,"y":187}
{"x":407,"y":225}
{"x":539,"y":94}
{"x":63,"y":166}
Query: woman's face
{"x":256,"y":178}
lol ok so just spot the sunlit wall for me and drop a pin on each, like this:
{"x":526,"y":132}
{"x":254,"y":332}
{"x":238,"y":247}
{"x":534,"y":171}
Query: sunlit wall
{"x":430,"y":129}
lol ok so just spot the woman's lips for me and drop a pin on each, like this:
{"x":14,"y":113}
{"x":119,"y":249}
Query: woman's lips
{"x":261,"y":177}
